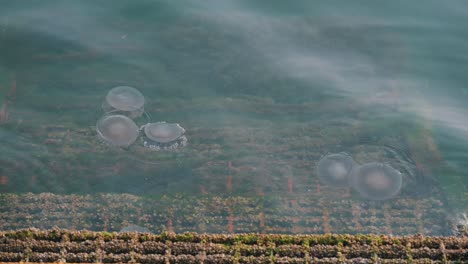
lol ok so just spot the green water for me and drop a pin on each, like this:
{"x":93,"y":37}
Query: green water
{"x":269,"y":88}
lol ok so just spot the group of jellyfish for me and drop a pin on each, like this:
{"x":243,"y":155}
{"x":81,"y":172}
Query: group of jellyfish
{"x":374,"y":181}
{"x":122,"y":105}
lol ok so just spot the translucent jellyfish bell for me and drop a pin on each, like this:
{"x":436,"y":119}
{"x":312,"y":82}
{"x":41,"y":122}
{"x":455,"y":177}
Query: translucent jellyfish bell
{"x":164,"y":136}
{"x":376,"y":181}
{"x":124,"y":99}
{"x":117,"y":130}
{"x":334,"y":169}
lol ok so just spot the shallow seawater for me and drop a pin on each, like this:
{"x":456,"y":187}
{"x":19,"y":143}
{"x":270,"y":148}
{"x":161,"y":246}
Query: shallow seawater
{"x":263,"y":91}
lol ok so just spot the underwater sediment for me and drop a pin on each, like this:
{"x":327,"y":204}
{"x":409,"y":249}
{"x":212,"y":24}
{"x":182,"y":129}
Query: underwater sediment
{"x":314,"y":213}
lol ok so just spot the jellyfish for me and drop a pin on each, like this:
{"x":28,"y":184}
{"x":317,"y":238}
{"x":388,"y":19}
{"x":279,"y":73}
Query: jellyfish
{"x":117,"y":130}
{"x":134,"y":228}
{"x":124,"y":100}
{"x":376,"y":181}
{"x":163,"y":136}
{"x":334,"y":169}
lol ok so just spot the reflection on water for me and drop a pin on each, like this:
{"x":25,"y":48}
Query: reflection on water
{"x":263,"y":92}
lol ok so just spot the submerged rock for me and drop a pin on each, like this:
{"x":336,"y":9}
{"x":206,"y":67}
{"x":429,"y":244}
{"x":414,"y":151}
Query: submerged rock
{"x":134,"y":228}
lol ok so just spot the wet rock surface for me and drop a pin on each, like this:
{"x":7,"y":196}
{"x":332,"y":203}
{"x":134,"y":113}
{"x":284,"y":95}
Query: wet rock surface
{"x":41,"y":246}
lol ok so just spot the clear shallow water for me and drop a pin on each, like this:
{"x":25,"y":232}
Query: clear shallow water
{"x":264,"y":91}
